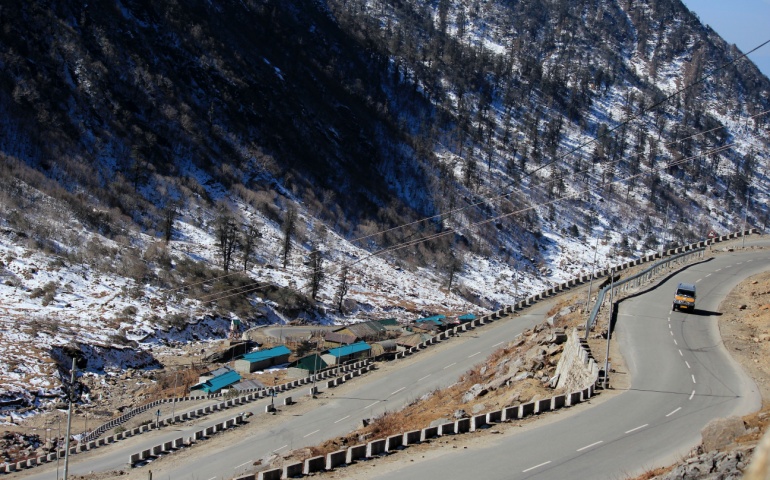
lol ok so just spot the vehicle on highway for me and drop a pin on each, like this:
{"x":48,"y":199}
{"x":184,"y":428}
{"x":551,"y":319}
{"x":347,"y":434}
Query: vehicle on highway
{"x":684,"y":297}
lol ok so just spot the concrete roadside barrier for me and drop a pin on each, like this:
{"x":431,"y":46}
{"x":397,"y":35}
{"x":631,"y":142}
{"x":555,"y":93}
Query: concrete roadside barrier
{"x":543,"y":405}
{"x":394,"y":442}
{"x":356,"y":452}
{"x":292,"y":470}
{"x":446,"y":428}
{"x":335,"y":459}
{"x":478,"y":421}
{"x":558,"y":402}
{"x":314,"y":464}
{"x":274,"y":474}
{"x":573,"y":399}
{"x":511,"y":413}
{"x":412,"y":437}
{"x":495,"y":417}
{"x":427,"y":433}
{"x":462,"y":425}
{"x":375,"y":447}
{"x":526,"y":409}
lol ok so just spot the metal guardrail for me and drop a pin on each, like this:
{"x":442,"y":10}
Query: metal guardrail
{"x":648,"y":273}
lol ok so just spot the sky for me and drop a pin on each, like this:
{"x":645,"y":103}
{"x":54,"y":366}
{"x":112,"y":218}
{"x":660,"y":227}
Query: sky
{"x":745,"y":23}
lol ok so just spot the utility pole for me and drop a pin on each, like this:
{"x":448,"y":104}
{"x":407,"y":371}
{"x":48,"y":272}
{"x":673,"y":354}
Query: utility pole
{"x":173,"y":404}
{"x":745,"y":214}
{"x":590,"y":286}
{"x":609,"y":330}
{"x":665,"y":228}
{"x":70,"y":394}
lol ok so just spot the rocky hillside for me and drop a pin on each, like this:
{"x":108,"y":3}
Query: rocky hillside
{"x":168,"y":167}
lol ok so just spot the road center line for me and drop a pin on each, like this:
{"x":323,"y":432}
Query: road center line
{"x":451,"y":364}
{"x":375,"y":403}
{"x":280,"y":448}
{"x":672,"y":333}
{"x":718,"y":270}
{"x":669,"y":326}
{"x":707,"y":276}
{"x":674,"y":412}
{"x":469,"y":356}
{"x":675,"y":342}
{"x":498,"y":344}
{"x":637,"y":428}
{"x":536,"y":466}
{"x":402,"y":388}
{"x":311,"y":433}
{"x":692,"y":394}
{"x":681,"y":354}
{"x":239,"y":466}
{"x":698,"y":280}
{"x":687,"y":363}
{"x":426,"y":376}
{"x":587,"y":446}
{"x":693,"y":378}
{"x":341,"y":419}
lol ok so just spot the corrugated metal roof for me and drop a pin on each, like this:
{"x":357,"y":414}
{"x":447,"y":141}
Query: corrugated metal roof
{"x":364,"y":329}
{"x":436,"y":319}
{"x":218,"y":383}
{"x":349,"y":349}
{"x":311,"y":363}
{"x":387,"y":322}
{"x":260,"y":355}
{"x":248,"y":385}
{"x":337,"y":337}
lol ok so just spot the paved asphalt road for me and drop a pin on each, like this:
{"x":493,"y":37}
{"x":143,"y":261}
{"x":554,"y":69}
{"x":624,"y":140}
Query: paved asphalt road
{"x":437,"y":367}
{"x":682,"y":377}
{"x":656,"y":420}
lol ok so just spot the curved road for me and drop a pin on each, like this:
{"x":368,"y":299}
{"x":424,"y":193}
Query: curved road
{"x":339,"y":411}
{"x":682,"y":378}
{"x":657,"y":419}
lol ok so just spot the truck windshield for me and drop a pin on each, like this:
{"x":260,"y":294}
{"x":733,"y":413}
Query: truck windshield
{"x":686,"y":293}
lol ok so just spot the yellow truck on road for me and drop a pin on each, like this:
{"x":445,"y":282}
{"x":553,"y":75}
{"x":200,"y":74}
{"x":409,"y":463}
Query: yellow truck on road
{"x":684,"y":297}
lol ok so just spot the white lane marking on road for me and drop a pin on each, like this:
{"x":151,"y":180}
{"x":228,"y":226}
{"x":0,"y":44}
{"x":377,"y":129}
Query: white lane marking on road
{"x":536,"y":466}
{"x":739,"y":263}
{"x":681,"y":354}
{"x":213,"y":478}
{"x":637,"y":428}
{"x":311,"y":433}
{"x":341,"y":419}
{"x":707,"y":276}
{"x":498,"y":344}
{"x":693,"y":378}
{"x":469,"y":356}
{"x":698,"y":280}
{"x":687,"y":363}
{"x":584,"y":448}
{"x":675,"y":342}
{"x":280,"y":448}
{"x":728,"y":266}
{"x":375,"y":403}
{"x":718,"y":270}
{"x":672,"y":333}
{"x":692,"y":394}
{"x":451,"y":364}
{"x":674,"y":412}
{"x":669,"y":326}
{"x":239,"y":466}
{"x":402,"y":388}
{"x":426,"y":376}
